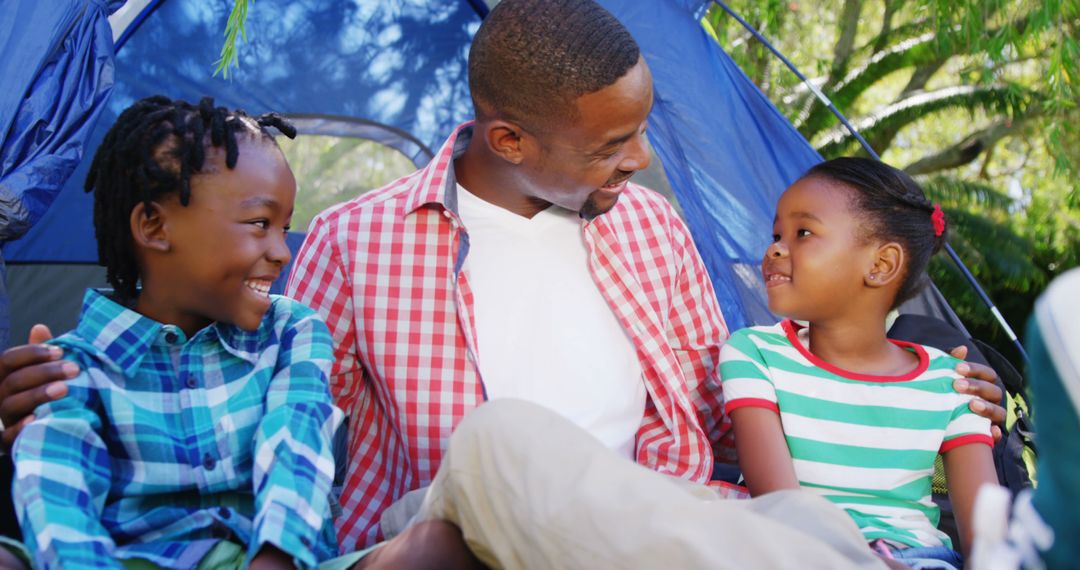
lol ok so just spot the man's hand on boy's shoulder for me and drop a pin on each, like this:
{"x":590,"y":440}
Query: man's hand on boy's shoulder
{"x":982,"y":382}
{"x":30,"y":375}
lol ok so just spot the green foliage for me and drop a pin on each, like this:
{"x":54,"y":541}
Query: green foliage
{"x":978,"y":98}
{"x":332,"y":170}
{"x":234,"y":27}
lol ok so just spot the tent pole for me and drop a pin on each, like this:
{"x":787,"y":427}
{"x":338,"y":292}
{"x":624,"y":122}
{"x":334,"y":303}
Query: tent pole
{"x":869,"y":150}
{"x":480,"y":7}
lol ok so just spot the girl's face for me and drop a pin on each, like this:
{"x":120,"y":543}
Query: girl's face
{"x":815,"y":268}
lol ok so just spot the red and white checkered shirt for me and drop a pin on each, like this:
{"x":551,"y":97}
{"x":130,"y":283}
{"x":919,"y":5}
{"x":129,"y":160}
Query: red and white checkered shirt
{"x":385,"y":272}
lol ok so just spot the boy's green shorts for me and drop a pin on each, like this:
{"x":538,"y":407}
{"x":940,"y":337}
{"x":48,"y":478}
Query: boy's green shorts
{"x":225,"y":555}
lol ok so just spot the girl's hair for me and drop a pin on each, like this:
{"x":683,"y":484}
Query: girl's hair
{"x":894,"y":209}
{"x":153,"y":149}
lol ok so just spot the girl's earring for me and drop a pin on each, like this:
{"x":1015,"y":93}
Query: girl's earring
{"x":872,"y":277}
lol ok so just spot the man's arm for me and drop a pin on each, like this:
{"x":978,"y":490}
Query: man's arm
{"x":320,"y":279}
{"x":63,"y":473}
{"x":696,"y":332}
{"x":30,"y":375}
{"x":293,"y":456}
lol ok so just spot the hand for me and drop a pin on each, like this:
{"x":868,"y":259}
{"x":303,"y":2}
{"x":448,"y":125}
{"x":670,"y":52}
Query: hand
{"x":271,"y":558}
{"x":980,"y":381}
{"x":30,"y":375}
{"x":10,"y":561}
{"x":428,"y":544}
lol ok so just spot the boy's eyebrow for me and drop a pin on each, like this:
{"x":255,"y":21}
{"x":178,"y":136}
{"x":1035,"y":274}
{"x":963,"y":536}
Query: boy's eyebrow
{"x":256,"y":201}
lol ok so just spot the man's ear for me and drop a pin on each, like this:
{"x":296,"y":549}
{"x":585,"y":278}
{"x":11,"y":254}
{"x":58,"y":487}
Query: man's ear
{"x":149,"y":229}
{"x":506,"y":140}
{"x":888,"y":265}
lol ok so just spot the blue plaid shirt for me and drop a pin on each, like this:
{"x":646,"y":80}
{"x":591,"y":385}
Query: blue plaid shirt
{"x":166,"y":445}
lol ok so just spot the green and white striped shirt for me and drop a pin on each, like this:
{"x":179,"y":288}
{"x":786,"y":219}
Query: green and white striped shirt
{"x":866,"y":443}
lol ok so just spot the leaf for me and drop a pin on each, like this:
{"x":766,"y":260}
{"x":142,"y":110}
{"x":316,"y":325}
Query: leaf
{"x":234,"y":26}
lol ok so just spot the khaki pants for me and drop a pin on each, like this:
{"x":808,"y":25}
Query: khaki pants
{"x":529,"y":489}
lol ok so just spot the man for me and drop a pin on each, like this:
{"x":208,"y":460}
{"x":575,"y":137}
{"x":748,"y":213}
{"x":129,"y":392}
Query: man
{"x":519,"y":263}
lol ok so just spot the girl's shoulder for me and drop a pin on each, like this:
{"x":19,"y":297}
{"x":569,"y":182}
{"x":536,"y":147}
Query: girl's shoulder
{"x":758,"y":339}
{"x":937,"y":360}
{"x":760,"y":331}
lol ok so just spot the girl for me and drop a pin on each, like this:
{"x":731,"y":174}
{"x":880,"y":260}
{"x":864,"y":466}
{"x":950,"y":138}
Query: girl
{"x":835,"y":407}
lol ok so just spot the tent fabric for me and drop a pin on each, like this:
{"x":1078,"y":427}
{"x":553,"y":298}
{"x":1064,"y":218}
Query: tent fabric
{"x":58,"y":70}
{"x":395,"y":71}
{"x":726,"y":149}
{"x":398,"y":63}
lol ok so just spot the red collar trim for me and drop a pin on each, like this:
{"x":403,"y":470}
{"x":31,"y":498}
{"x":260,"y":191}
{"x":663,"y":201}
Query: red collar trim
{"x":791,"y":330}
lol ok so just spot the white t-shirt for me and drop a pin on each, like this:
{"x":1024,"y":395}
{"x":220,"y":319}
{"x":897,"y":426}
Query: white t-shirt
{"x":544,"y":331}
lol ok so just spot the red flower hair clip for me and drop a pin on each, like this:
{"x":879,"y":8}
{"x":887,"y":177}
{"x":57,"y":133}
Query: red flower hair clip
{"x":938,"y":219}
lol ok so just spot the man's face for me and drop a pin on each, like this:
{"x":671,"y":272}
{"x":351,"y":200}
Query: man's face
{"x":583,"y":165}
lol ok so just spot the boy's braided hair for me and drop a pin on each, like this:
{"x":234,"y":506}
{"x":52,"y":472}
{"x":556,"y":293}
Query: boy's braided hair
{"x":153,"y":149}
{"x":894,"y":208}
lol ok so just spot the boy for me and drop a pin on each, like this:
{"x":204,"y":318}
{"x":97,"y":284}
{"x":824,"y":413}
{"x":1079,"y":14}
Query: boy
{"x":199,"y":432}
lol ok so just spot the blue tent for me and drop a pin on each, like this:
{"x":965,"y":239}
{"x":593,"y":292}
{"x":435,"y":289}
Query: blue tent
{"x":395,"y":71}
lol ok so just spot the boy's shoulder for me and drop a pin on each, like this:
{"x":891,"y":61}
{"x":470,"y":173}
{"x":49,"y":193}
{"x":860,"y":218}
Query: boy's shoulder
{"x":282,"y":307}
{"x":80,"y":350}
{"x":286,"y":313}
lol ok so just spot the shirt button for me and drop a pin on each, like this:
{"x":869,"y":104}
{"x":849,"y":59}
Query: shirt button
{"x":446,"y":213}
{"x":224,"y":513}
{"x":190,"y":382}
{"x":305,"y":541}
{"x":208,"y":462}
{"x":171,"y":337}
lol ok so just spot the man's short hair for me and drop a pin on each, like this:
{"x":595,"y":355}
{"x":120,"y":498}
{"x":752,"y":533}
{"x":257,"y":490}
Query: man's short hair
{"x":531,"y":59}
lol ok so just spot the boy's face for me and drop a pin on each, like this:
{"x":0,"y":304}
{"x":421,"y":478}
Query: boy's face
{"x":227,"y":245}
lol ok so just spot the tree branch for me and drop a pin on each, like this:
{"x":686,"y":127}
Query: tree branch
{"x":845,"y":44}
{"x":920,"y":77}
{"x":967,"y":150}
{"x":995,"y":99}
{"x":913,"y":51}
{"x":891,"y":7}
